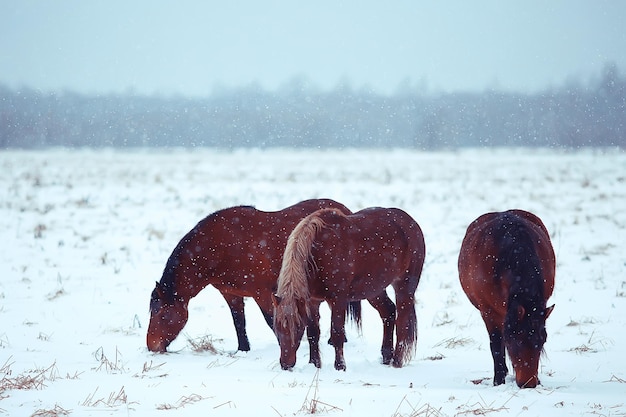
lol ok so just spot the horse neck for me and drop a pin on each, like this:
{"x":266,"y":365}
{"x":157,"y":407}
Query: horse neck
{"x":172,"y":287}
{"x":183,"y":278}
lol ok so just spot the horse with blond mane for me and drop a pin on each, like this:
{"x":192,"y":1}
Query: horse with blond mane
{"x":339,"y":258}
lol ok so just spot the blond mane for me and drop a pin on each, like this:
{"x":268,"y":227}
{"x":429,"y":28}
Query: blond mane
{"x":293,"y":287}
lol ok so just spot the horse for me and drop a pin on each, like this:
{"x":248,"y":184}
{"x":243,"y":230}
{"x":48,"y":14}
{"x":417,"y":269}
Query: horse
{"x":238,"y":250}
{"x":506,"y":268}
{"x":337,"y":257}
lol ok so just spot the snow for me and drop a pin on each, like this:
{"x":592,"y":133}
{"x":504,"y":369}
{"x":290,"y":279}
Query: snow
{"x":87,"y":233}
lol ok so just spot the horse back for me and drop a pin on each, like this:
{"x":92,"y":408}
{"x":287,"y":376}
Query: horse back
{"x":243,"y":226}
{"x":239,"y":249}
{"x":367,"y":245}
{"x":375,"y":226}
{"x":494,"y":244}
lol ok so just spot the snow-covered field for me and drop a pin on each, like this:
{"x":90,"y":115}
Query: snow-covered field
{"x":85,"y":234}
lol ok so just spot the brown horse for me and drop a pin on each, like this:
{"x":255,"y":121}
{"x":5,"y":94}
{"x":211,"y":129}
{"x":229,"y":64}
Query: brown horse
{"x":338,"y":258}
{"x":237,"y":250}
{"x":507,"y":267}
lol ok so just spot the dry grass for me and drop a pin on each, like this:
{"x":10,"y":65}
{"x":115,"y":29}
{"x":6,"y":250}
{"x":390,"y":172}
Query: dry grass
{"x":313,"y":405}
{"x":28,"y":380}
{"x":55,"y":412}
{"x":149,"y":367}
{"x":4,"y":341}
{"x":481,"y":408}
{"x":480,"y":380}
{"x":39,"y":230}
{"x":59,"y":292}
{"x":425,"y":410}
{"x":441,"y":319}
{"x":115,"y":399}
{"x":600,"y":249}
{"x":593,"y":345}
{"x":43,"y":337}
{"x":583,"y":349}
{"x":617,"y":379}
{"x":110,"y":366}
{"x":56,"y":294}
{"x":182,"y":402}
{"x":230,"y":404}
{"x":455,"y":342}
{"x":204,"y":344}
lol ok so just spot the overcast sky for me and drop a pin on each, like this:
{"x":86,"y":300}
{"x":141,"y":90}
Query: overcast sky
{"x":190,"y":47}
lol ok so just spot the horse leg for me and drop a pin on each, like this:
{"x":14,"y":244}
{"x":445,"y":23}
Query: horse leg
{"x":236,"y":305}
{"x":406,"y":327}
{"x":313,"y":335}
{"x":267,"y":309}
{"x":338,"y":332}
{"x":387,"y":311}
{"x":354,"y":311}
{"x":496,"y":343}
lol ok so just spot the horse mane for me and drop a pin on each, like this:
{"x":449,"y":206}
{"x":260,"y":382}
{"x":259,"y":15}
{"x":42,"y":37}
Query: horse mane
{"x":165,"y":291}
{"x":167,"y":284}
{"x":292,"y":286}
{"x":519,"y":263}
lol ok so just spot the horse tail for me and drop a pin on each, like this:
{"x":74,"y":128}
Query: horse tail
{"x":354,"y":312}
{"x":292,"y":286}
{"x":406,"y":322}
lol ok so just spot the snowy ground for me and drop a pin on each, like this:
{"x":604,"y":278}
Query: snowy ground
{"x":85,"y":234}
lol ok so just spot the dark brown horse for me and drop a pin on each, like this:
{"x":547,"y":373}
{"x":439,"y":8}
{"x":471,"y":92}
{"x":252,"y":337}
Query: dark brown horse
{"x":338,"y":258}
{"x":237,"y":250}
{"x":506,"y":267}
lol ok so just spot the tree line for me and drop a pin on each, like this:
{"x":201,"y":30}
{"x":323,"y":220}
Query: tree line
{"x":574,"y":115}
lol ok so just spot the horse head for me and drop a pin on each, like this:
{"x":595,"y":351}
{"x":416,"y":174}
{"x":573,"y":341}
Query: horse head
{"x":525,"y":336}
{"x":289,"y":325}
{"x":168,"y":316}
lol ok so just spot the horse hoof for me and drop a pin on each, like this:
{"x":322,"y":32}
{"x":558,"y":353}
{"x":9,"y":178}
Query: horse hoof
{"x":330,"y":341}
{"x":498,"y":381}
{"x":316,"y":363}
{"x":341,"y":366}
{"x":387,"y":355}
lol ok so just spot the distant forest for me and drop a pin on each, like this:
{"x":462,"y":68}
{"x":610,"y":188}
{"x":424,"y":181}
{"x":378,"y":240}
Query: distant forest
{"x":577,"y":114}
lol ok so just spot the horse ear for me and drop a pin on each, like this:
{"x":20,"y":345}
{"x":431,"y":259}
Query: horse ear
{"x":159,"y":290}
{"x":276,"y":300}
{"x":548,"y":311}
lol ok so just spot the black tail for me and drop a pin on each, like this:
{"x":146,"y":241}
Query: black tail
{"x":354,"y":312}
